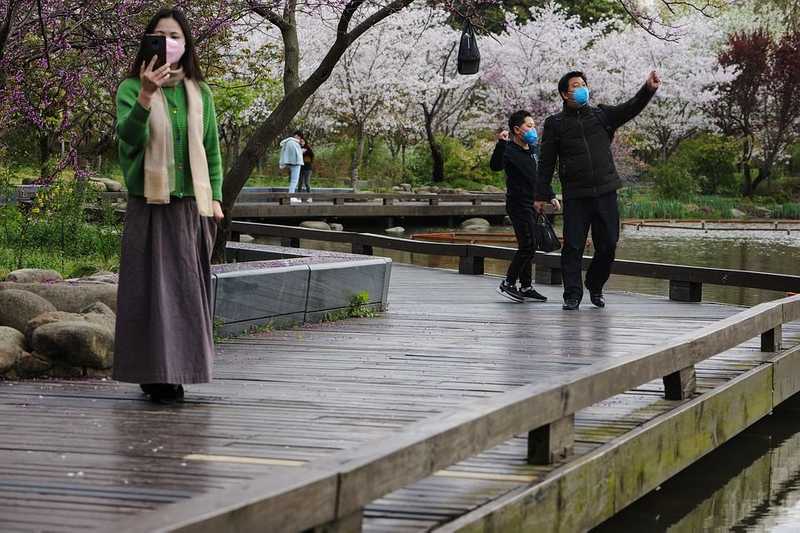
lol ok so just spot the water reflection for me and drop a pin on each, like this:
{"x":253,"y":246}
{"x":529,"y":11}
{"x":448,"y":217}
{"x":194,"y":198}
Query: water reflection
{"x":750,"y":484}
{"x":762,"y":251}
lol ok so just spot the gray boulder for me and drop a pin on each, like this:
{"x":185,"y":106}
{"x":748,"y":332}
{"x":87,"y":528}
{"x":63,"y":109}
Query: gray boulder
{"x":33,"y":275}
{"x":111,"y":185}
{"x":12,"y":348}
{"x":67,"y":295}
{"x":49,"y":318}
{"x":315,"y":224}
{"x":77,"y":343}
{"x":396,"y":230}
{"x":475,"y":223}
{"x":100,"y":314}
{"x":245,"y":238}
{"x":492,"y":189}
{"x":31,"y":365}
{"x":737,"y":213}
{"x":406,"y":187}
{"x":337,"y":227}
{"x":17,"y":307}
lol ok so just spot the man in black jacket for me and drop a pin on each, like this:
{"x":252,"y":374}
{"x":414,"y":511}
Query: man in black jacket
{"x":516,"y":154}
{"x":579,"y":139}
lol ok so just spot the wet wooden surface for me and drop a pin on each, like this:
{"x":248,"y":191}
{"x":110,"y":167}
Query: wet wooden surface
{"x":78,"y":455}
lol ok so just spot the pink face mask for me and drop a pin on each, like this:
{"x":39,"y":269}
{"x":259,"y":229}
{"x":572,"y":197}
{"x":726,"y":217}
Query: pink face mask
{"x":175,"y":50}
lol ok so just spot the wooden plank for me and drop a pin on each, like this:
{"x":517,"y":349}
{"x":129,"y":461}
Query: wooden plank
{"x":270,"y":504}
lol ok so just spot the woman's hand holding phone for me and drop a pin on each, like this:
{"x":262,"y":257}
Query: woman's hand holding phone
{"x":152,"y":79}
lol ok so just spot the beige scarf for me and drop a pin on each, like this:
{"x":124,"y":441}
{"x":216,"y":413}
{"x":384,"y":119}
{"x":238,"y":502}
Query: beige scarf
{"x":159,"y":155}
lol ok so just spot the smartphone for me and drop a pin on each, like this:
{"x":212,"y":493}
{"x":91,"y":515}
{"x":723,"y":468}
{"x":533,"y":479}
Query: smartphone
{"x":154,"y":46}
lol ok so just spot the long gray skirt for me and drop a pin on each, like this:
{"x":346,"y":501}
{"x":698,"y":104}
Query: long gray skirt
{"x":164,"y":324}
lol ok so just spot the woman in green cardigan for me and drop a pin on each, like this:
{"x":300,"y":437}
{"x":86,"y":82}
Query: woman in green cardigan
{"x":170,"y":157}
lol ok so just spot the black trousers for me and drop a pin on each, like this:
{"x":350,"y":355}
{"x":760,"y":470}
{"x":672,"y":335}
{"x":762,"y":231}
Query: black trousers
{"x":521,"y":267}
{"x":305,"y":180}
{"x":601,"y":214}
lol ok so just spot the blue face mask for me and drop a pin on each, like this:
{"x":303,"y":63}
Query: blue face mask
{"x":530,"y":136}
{"x":580,"y":95}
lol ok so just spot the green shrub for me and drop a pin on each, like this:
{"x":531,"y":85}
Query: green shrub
{"x":788,"y":210}
{"x":673,"y":180}
{"x":711,"y":159}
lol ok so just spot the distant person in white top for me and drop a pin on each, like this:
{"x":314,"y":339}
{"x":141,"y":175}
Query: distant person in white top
{"x":292,"y":157}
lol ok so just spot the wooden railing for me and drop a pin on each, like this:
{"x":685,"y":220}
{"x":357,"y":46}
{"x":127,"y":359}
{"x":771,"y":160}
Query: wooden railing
{"x":332,"y":491}
{"x":685,"y":281}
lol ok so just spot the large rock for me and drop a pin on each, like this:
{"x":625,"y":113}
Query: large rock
{"x":17,"y":307}
{"x":49,"y":318}
{"x":111,"y":185}
{"x":315,"y":224}
{"x":737,"y":213}
{"x":31,"y":365}
{"x":245,"y":238}
{"x":96,"y":185}
{"x":33,"y":275}
{"x":69,"y":296}
{"x":475,"y":223}
{"x":406,"y":187}
{"x":396,"y":230}
{"x":492,"y":189}
{"x":12,"y":348}
{"x":75,"y":344}
{"x":100,"y":314}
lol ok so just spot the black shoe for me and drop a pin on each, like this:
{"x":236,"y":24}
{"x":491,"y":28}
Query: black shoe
{"x":597,"y":299}
{"x":529,"y":293}
{"x":571,"y":304}
{"x":510,"y":291}
{"x":164,"y":393}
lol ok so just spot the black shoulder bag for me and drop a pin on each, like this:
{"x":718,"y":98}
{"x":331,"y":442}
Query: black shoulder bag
{"x":546,"y":238}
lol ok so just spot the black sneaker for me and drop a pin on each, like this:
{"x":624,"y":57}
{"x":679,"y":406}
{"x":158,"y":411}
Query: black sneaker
{"x":572,"y":304}
{"x":510,"y":291}
{"x":529,"y":293}
{"x":597,"y":299}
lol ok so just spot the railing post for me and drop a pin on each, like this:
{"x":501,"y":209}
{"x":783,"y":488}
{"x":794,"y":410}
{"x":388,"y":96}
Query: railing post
{"x":680,"y":385}
{"x":548,"y":275}
{"x":433,"y":201}
{"x":347,"y":524}
{"x":552,"y":442}
{"x":361,"y":249}
{"x":685,"y":291}
{"x":290,"y":242}
{"x":388,"y":201}
{"x":476,"y":201}
{"x":470,"y":264}
{"x":338,"y":201}
{"x":236,"y":236}
{"x":284,"y":201}
{"x":771,"y":339}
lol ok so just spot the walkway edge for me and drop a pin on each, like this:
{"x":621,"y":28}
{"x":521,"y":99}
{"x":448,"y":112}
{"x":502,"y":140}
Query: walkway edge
{"x":592,"y":488}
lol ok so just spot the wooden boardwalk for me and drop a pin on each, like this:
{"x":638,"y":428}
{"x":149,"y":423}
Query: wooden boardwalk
{"x":82,"y":455}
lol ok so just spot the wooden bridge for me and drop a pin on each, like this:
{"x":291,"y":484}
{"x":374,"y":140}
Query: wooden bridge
{"x":392,"y":207}
{"x":455,"y":410}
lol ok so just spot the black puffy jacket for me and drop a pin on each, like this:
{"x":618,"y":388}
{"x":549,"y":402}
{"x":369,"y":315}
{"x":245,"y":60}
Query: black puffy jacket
{"x":579,"y":140}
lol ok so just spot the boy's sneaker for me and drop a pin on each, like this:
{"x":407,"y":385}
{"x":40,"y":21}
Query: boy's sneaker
{"x":510,"y":291}
{"x":529,"y":293}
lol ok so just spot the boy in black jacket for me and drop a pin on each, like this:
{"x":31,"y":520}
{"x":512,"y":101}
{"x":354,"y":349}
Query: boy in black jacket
{"x":579,"y":138}
{"x":517,"y":157}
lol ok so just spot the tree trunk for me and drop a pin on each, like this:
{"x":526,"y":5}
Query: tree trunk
{"x":358,"y":156}
{"x":437,"y":157}
{"x":44,"y":155}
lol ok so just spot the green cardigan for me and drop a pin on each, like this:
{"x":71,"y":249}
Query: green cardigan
{"x":133,"y":132}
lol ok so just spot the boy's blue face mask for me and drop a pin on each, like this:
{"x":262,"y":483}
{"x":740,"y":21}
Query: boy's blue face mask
{"x":581,"y":95}
{"x":530,"y":136}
